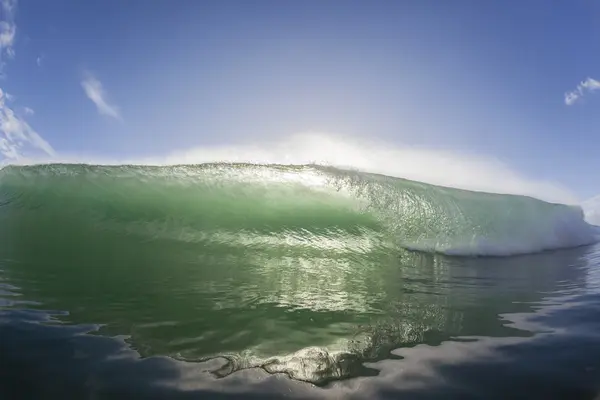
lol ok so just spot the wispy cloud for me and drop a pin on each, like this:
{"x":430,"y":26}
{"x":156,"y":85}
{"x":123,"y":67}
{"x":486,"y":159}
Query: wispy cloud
{"x":17,"y":138}
{"x":95,"y":92}
{"x":16,"y":133}
{"x":588,"y":86}
{"x":39,"y":60}
{"x":8,"y":31}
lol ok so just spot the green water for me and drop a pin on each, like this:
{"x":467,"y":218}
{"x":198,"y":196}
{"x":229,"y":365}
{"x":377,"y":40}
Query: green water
{"x":300,"y":270}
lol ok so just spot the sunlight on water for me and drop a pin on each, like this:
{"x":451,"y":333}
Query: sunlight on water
{"x":301,"y":270}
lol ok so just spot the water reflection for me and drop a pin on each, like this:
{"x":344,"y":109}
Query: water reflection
{"x":315,"y":314}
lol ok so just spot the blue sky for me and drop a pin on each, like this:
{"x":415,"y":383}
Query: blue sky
{"x":515,"y":81}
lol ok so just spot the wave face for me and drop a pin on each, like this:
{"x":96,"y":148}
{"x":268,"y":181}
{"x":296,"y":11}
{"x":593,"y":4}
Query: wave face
{"x":275,"y":206}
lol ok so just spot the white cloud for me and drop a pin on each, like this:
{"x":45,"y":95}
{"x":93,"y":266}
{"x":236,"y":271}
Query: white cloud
{"x":7,"y":34}
{"x":39,"y":60}
{"x":17,"y":138}
{"x":589,"y":85}
{"x":8,"y":30}
{"x":95,"y":92}
{"x":16,"y":134}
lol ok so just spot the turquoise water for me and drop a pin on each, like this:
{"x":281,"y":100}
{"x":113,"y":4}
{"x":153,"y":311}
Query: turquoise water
{"x":229,"y":276}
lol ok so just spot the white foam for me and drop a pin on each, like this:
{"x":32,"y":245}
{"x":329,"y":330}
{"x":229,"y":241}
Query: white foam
{"x":566,"y":234}
{"x":591,"y":209}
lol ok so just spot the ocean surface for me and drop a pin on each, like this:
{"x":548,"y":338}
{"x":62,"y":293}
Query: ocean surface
{"x":272,"y":281}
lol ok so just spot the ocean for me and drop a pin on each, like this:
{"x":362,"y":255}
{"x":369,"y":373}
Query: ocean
{"x":280,"y":281}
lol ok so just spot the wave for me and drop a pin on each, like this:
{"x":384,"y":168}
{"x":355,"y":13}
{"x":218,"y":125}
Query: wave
{"x":434,"y":166}
{"x":289,"y":206}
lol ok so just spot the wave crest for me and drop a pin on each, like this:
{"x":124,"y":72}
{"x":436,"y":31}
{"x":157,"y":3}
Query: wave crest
{"x":304,"y":206}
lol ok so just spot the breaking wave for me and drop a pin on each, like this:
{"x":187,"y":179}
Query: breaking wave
{"x":285,"y":206}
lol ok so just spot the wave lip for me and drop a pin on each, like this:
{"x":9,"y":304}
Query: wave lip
{"x":306,"y":202}
{"x":458,"y":222}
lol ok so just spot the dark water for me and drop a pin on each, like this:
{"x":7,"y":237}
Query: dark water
{"x":130,"y":286}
